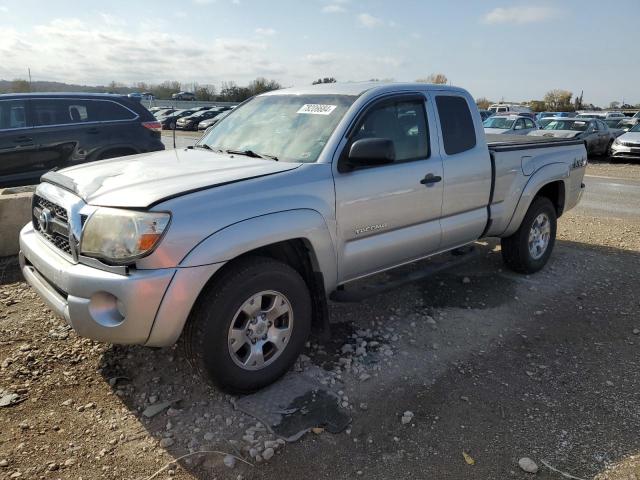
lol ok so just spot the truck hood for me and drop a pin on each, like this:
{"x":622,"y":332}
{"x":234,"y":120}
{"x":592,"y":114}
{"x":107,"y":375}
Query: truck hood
{"x":142,"y":180}
{"x":496,"y":130}
{"x":555,"y":133}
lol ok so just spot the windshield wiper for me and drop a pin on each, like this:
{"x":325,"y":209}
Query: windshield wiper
{"x":203,"y":145}
{"x":252,"y":154}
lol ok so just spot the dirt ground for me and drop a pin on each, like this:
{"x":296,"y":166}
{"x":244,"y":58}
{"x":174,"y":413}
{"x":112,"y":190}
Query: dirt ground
{"x":491,"y":365}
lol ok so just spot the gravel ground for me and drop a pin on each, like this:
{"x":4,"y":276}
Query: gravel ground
{"x":460,"y":375}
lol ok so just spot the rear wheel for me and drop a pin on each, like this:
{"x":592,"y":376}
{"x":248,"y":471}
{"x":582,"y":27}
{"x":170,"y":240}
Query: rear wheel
{"x":529,"y":248}
{"x":249,"y":325}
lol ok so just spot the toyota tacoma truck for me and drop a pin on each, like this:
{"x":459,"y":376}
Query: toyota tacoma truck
{"x":234,"y":245}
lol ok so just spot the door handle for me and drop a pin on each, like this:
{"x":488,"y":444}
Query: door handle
{"x":23,"y":139}
{"x":93,"y":130}
{"x":430,"y":178}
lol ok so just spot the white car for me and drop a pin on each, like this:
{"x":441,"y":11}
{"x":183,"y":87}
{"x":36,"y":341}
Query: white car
{"x":627,"y":146}
{"x":509,"y":124}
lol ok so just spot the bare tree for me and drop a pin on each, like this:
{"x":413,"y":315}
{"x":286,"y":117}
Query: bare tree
{"x":437,"y":78}
{"x":482,"y":103}
{"x":558,"y":100}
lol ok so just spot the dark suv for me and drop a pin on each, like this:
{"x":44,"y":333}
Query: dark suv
{"x":44,"y":131}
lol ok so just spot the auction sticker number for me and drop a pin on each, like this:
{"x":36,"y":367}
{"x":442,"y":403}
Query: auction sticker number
{"x":316,"y":109}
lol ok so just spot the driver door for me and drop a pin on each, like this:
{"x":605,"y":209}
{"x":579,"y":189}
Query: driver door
{"x":389,"y":214}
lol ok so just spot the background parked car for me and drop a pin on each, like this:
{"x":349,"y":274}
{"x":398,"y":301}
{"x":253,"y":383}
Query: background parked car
{"x":595,"y":133}
{"x":183,"y":96}
{"x":191,"y":122}
{"x":541,"y":115}
{"x":601,"y":115}
{"x":212,"y":121}
{"x":163,"y":112}
{"x":43,"y":131}
{"x":508,"y":108}
{"x":509,"y":124}
{"x":170,"y":120}
{"x":627,"y":146}
{"x":484,"y":114}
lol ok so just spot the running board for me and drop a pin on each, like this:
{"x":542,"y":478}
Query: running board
{"x":437,"y":264}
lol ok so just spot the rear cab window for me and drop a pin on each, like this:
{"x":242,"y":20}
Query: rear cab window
{"x":456,"y":124}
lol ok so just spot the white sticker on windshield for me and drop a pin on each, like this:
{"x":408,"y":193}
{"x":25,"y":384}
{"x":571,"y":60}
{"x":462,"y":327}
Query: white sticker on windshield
{"x":316,"y":109}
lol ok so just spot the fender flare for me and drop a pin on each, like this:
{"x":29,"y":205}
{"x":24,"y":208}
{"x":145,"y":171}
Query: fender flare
{"x":548,"y":174}
{"x":247,"y":235}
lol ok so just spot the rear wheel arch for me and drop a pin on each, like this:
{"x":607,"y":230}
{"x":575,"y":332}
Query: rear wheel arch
{"x":556,"y":192}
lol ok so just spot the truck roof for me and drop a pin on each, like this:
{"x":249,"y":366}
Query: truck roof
{"x":358,"y":88}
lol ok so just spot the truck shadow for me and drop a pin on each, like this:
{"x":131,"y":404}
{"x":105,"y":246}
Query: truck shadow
{"x":560,"y":386}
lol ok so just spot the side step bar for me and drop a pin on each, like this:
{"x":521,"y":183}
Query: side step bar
{"x":363,"y":289}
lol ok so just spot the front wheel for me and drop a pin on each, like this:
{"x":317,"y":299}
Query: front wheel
{"x":249,"y":325}
{"x":529,"y":248}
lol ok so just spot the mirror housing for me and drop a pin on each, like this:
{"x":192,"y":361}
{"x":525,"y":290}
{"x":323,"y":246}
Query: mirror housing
{"x":371,"y":151}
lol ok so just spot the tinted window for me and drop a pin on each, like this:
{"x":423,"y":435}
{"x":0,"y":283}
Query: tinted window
{"x":104,"y":111}
{"x":12,"y":114}
{"x":458,"y":132}
{"x":404,"y":122}
{"x":67,"y":111}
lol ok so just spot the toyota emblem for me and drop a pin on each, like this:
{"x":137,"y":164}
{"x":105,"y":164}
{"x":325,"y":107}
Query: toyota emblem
{"x":44,"y":220}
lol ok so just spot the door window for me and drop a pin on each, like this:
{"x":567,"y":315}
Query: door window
{"x":73,"y":111}
{"x":12,"y":114}
{"x":519,"y":124}
{"x":458,"y":132}
{"x":107,"y":111}
{"x":529,"y":123}
{"x":402,"y":121}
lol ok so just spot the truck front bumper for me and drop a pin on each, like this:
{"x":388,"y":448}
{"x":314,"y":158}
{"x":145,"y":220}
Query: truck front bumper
{"x":100,"y":305}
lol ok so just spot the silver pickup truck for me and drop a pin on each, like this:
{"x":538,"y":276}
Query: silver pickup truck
{"x":234,"y":245}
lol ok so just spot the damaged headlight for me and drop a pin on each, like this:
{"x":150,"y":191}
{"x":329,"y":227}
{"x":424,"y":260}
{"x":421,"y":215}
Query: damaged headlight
{"x":120,"y":236}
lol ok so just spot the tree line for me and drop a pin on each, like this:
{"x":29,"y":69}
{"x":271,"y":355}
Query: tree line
{"x":558,"y":100}
{"x":227,"y":92}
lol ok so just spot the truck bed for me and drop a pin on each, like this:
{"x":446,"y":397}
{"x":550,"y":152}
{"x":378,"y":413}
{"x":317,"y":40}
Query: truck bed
{"x":504,"y":143}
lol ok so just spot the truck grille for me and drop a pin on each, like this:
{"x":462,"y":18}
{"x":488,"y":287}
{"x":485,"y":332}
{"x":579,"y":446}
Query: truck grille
{"x":52,"y":222}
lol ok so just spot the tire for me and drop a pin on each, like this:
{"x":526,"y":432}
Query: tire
{"x":607,"y":150}
{"x":220,"y":322}
{"x":517,"y":252}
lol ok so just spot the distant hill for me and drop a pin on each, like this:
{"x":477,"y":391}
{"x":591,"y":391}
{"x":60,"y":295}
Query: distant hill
{"x":44,"y":86}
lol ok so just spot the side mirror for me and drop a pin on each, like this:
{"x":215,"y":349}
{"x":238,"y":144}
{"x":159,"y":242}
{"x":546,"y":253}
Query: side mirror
{"x":371,"y":151}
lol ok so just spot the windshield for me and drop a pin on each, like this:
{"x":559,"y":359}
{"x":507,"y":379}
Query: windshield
{"x":576,"y":125}
{"x":499,"y":122}
{"x":292,"y":128}
{"x":545,"y":121}
{"x":612,"y":123}
{"x":636,"y":128}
